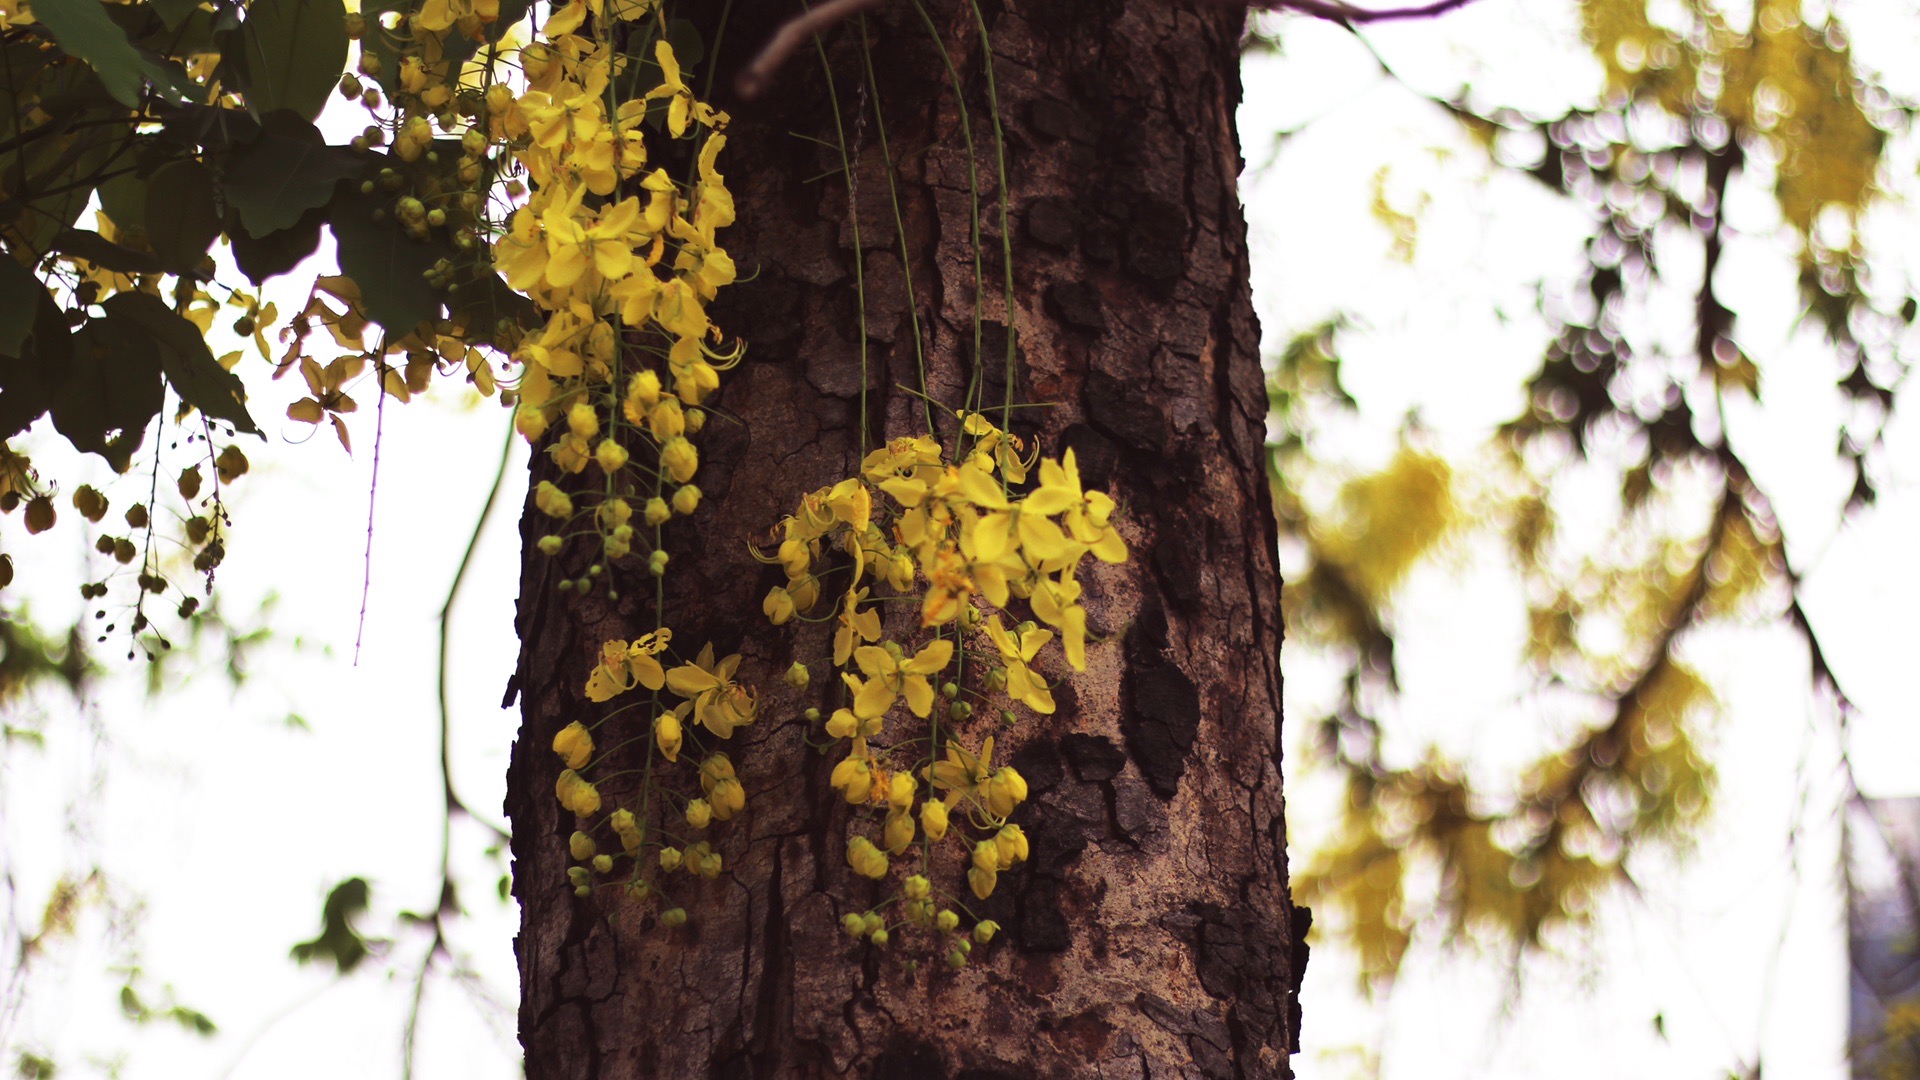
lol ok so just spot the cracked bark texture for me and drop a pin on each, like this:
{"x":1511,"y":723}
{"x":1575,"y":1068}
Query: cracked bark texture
{"x":1151,"y":933}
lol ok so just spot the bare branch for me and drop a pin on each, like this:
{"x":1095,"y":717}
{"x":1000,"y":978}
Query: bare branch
{"x":1336,"y":11}
{"x":758,"y":75}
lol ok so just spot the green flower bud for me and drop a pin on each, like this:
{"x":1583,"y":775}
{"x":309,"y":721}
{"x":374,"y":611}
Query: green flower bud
{"x":879,"y":937}
{"x":798,"y":676}
{"x":603,"y":863}
{"x":946,"y":921}
{"x":673,"y":918}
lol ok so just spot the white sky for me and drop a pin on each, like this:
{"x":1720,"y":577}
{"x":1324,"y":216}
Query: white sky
{"x":231,"y":828}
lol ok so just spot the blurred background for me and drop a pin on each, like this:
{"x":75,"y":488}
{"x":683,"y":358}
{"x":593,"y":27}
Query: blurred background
{"x":1588,"y":325}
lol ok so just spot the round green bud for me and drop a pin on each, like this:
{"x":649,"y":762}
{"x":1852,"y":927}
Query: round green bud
{"x":854,"y":925}
{"x":579,"y":875}
{"x":872,"y":922}
{"x":949,"y":690}
{"x":798,"y":676}
{"x":657,"y":563}
{"x":565,"y":585}
{"x":960,"y":710}
{"x":956,"y":960}
{"x":812,"y":715}
{"x":946,"y":920}
{"x":1007,"y":717}
{"x":436,"y":217}
{"x":584,"y":892}
{"x":549,"y":545}
{"x":964,"y":946}
{"x":879,"y":937}
{"x":673,"y":918}
{"x":603,"y":863}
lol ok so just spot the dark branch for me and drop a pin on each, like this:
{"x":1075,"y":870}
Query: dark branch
{"x":1335,"y":11}
{"x":758,"y":75}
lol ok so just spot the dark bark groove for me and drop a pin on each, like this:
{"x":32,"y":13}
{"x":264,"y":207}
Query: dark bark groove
{"x":1150,"y":935}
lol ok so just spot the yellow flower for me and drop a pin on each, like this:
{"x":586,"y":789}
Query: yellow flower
{"x":680,"y":458}
{"x":889,"y":677}
{"x":621,"y":665}
{"x":961,"y":774}
{"x":683,"y":106}
{"x":854,"y":624}
{"x":667,"y":734}
{"x":1057,"y":603}
{"x":844,"y":725}
{"x":1010,"y":846}
{"x":519,"y":253}
{"x":866,"y":860}
{"x":778,"y":606}
{"x":1005,"y":790}
{"x":571,"y":246}
{"x":719,"y":704}
{"x":853,"y":777}
{"x":329,"y":400}
{"x":899,"y":831}
{"x":985,"y":873}
{"x":1016,"y":650}
{"x":574,"y":744}
{"x":900,"y":791}
{"x":933,"y":818}
{"x":551,"y":501}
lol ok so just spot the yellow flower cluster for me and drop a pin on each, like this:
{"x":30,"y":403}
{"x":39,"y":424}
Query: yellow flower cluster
{"x":713,"y":700}
{"x":943,"y":533}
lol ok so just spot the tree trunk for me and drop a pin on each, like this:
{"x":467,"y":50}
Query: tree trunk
{"x":1150,"y":934}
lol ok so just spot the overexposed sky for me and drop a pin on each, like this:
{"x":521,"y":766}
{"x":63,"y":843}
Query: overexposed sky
{"x":230,"y":827}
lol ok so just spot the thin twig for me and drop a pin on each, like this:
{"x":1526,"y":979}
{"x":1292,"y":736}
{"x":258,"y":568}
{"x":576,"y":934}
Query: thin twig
{"x":1335,"y":11}
{"x":754,"y":79}
{"x":373,"y":490}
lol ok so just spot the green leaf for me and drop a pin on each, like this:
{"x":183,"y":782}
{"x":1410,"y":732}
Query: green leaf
{"x":104,"y":253}
{"x":124,"y":198}
{"x":83,"y":29}
{"x":284,"y":173}
{"x":338,"y":941}
{"x":389,"y":266}
{"x":30,"y":384}
{"x":175,"y":12}
{"x":295,"y":51}
{"x":182,"y":221}
{"x":112,"y":389}
{"x":183,"y":354}
{"x":278,"y":252}
{"x":20,"y":294}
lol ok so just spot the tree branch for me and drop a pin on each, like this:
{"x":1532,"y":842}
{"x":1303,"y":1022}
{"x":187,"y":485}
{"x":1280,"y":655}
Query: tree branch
{"x":754,"y":79}
{"x":1336,"y":11}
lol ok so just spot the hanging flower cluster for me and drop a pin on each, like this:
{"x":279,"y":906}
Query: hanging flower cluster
{"x":944,"y":534}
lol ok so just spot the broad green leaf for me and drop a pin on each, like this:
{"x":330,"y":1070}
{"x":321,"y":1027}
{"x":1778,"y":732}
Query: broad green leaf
{"x":105,"y":254}
{"x":112,"y":389}
{"x":20,"y":294}
{"x":277,"y":252}
{"x":30,"y":383}
{"x":284,"y":173}
{"x":389,"y":266}
{"x":83,"y":29}
{"x":124,"y":198}
{"x":182,"y":221}
{"x":175,"y":12}
{"x":183,"y":355}
{"x":295,"y":52}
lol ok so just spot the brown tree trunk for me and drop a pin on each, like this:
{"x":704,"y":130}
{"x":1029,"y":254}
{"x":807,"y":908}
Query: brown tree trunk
{"x":1150,"y":934}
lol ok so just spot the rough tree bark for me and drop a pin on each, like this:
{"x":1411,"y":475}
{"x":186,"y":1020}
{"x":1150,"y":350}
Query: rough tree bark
{"x":1151,"y":934}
